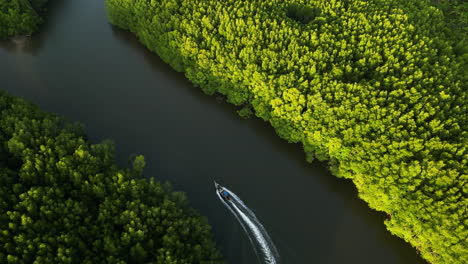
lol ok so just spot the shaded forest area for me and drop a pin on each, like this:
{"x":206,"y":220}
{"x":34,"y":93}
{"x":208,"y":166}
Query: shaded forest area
{"x":21,"y":17}
{"x":63,"y":200}
{"x":378,"y":88}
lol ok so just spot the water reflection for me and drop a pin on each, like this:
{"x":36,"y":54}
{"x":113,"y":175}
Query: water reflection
{"x":33,"y":44}
{"x":158,"y":65}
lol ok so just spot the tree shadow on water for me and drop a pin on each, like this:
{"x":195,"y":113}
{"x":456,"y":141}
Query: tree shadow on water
{"x":33,"y":44}
{"x":158,"y":65}
{"x":343,"y":188}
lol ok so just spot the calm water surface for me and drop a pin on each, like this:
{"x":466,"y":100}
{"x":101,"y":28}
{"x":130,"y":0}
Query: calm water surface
{"x":81,"y":67}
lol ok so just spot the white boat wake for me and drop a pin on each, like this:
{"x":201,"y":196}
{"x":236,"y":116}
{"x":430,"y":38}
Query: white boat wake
{"x":255,"y":231}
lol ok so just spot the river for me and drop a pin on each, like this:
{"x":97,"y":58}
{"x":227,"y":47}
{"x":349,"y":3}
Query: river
{"x":81,"y":67}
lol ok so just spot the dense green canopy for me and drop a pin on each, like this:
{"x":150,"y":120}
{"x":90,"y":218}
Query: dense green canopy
{"x":378,"y":88}
{"x":63,"y":200}
{"x":20,"y":17}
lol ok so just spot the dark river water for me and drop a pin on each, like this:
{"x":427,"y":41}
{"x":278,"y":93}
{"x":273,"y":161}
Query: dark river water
{"x":82,"y":68}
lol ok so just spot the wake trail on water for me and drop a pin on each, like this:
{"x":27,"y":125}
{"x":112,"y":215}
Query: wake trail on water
{"x":255,"y":231}
{"x":242,"y":225}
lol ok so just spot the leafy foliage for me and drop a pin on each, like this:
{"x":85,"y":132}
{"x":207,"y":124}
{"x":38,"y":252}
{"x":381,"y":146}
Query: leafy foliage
{"x":20,"y":17}
{"x":378,"y":88}
{"x":63,"y":200}
{"x":301,"y":13}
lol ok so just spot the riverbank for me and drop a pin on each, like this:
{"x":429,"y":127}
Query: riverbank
{"x":355,"y":85}
{"x":19,"y":18}
{"x":63,"y":199}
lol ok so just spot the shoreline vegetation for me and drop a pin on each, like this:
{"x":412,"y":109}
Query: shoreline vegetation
{"x":376,"y":88}
{"x":21,"y":18}
{"x":64,"y":200}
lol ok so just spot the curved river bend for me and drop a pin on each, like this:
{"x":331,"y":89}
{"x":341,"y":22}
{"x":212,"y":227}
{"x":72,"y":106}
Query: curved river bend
{"x":84,"y":69}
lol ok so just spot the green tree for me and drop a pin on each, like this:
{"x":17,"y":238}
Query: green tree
{"x":64,"y":200}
